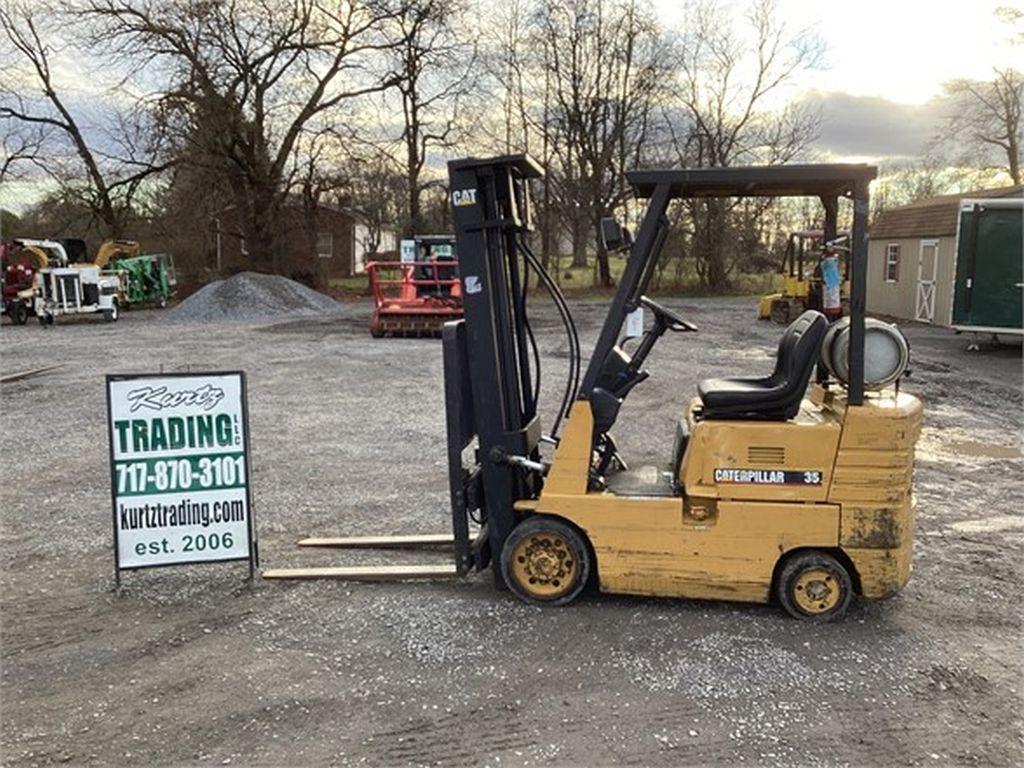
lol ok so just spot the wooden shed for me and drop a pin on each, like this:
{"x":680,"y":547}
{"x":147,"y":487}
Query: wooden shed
{"x":912,"y":257}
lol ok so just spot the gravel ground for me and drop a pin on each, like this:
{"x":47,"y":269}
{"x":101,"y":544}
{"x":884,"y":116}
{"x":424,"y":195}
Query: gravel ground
{"x":191,"y":665}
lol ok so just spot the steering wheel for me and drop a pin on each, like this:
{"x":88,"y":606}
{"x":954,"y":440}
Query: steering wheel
{"x":667,"y":317}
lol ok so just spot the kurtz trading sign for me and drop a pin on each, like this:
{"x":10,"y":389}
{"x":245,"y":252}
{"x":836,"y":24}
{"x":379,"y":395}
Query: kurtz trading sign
{"x":179,"y":460}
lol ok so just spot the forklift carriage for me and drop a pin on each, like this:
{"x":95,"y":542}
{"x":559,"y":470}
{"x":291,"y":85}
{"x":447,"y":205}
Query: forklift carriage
{"x":769,"y":495}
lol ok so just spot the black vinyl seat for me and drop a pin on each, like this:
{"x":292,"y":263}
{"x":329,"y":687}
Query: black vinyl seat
{"x":776,"y":397}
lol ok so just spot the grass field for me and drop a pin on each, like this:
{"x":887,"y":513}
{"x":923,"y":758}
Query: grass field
{"x":581,"y":282}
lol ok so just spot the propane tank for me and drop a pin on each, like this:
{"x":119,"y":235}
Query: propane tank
{"x":886,"y":352}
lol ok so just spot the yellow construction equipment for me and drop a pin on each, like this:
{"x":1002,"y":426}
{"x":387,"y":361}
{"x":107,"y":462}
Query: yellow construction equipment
{"x":802,"y":281}
{"x":112,"y":249}
{"x":777,"y":489}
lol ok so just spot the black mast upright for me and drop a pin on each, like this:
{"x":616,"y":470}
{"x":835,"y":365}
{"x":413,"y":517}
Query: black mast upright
{"x":490,"y":205}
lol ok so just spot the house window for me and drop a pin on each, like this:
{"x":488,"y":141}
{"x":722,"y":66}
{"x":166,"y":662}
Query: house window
{"x":325,"y":245}
{"x":892,"y":263}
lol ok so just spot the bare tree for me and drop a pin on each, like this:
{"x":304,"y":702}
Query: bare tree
{"x":20,"y":146}
{"x":110,"y":163}
{"x":606,"y":60}
{"x":988,"y":115}
{"x":435,"y":71}
{"x":507,"y":57}
{"x":244,"y":79}
{"x":374,"y":190}
{"x":726,"y":78}
{"x":514,"y":56}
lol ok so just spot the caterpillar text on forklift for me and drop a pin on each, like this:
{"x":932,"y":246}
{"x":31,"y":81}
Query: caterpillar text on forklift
{"x":779,"y":488}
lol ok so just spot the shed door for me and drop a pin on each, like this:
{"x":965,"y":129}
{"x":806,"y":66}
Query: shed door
{"x":927,"y":263}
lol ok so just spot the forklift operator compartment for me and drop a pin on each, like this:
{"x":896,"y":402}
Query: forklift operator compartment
{"x":777,"y":396}
{"x":779,"y":488}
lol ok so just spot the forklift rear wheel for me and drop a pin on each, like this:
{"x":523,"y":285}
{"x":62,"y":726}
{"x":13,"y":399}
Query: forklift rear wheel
{"x":814,"y":586}
{"x":46,"y":319}
{"x":113,"y":313}
{"x":545,"y":562}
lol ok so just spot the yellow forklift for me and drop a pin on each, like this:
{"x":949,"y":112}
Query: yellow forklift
{"x":772,"y":492}
{"x":802,"y":282}
{"x":778,"y":488}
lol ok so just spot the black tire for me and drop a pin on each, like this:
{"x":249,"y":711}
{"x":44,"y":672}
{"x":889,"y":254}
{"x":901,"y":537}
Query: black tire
{"x":562,"y":547}
{"x":19,"y":313}
{"x":161,"y":301}
{"x":780,"y":312}
{"x":826,"y":575}
{"x":46,"y":319}
{"x":113,"y":313}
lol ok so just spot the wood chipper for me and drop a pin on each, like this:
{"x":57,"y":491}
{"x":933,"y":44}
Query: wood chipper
{"x":792,"y":485}
{"x":20,"y":261}
{"x":148,"y":278}
{"x":806,"y":251}
{"x":419,"y":294}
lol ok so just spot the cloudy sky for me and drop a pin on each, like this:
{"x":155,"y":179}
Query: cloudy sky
{"x":881,"y":82}
{"x":878,"y":88}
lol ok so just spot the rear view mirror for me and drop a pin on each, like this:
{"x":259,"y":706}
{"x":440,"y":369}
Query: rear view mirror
{"x":615,"y":236}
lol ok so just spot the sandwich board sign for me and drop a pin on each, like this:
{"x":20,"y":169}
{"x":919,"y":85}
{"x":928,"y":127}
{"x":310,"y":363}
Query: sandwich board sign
{"x":179,"y":470}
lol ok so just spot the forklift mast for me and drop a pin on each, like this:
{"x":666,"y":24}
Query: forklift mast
{"x":490,"y":387}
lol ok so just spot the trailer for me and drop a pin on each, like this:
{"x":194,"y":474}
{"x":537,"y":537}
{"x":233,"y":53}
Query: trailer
{"x":78,"y":290}
{"x":987,"y":283}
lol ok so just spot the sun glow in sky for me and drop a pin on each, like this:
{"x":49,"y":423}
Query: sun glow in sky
{"x":901,"y":50}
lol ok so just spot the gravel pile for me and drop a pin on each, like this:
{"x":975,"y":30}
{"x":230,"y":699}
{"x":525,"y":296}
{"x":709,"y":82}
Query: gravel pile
{"x":253,"y":296}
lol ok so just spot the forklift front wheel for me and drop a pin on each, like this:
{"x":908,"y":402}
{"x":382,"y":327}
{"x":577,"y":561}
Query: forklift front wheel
{"x":814,"y":586}
{"x":545,"y":562}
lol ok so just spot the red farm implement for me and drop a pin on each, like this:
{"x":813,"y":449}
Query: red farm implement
{"x":413,"y":298}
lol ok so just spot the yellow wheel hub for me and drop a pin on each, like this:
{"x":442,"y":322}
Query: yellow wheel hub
{"x":817,"y":590}
{"x":544,"y":565}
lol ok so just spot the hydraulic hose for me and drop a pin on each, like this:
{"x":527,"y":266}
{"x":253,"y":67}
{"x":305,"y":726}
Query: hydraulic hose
{"x":573,"y":379}
{"x":529,"y":335}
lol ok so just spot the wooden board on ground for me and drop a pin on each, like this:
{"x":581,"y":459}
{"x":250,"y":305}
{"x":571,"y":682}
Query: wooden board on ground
{"x":367,"y":572}
{"x":29,"y":373}
{"x":381,"y":542}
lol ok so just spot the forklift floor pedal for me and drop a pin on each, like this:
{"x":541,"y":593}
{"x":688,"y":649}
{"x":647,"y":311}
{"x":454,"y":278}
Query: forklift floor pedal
{"x":413,"y":541}
{"x":367,"y":572}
